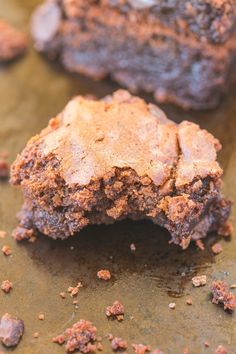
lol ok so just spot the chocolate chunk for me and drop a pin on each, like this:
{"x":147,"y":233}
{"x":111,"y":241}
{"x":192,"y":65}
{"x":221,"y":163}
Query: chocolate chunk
{"x":222,"y":295}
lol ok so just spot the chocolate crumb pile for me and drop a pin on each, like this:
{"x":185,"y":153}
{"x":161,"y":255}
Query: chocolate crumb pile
{"x":222,"y":295}
{"x":104,"y":274}
{"x":11,"y":330}
{"x":117,"y":310}
{"x":81,"y":336}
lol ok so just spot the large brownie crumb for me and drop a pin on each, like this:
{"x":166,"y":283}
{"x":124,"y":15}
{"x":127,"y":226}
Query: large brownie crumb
{"x":141,"y":348}
{"x":132,"y":162}
{"x":6,"y":286}
{"x":11,"y":330}
{"x":199,"y":280}
{"x":222,"y":295}
{"x":12,"y":44}
{"x":116,"y":310}
{"x":118,"y":344}
{"x":104,"y":274}
{"x":81,"y":336}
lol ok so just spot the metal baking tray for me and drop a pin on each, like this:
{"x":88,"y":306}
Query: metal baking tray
{"x":32,"y":90}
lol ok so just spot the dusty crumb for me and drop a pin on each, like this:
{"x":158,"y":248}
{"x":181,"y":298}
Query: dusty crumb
{"x":63,"y":295}
{"x":189,"y":301}
{"x":81,"y":336}
{"x":200,"y":245}
{"x":221,"y":350}
{"x":6,"y":250}
{"x":6,"y":286}
{"x":116,"y":310}
{"x":206,"y":344}
{"x":132,"y":247}
{"x":222,"y":295}
{"x":199,"y":280}
{"x":118,"y":344}
{"x":141,"y":348}
{"x":74,"y":290}
{"x":11,"y":330}
{"x":172,"y":305}
{"x":226,"y":230}
{"x":4,"y":169}
{"x":20,"y":233}
{"x":110,"y":336}
{"x":35,"y":334}
{"x":104,"y":274}
{"x":3,"y":234}
{"x":41,"y":317}
{"x":100,"y":347}
{"x":60,"y":339}
{"x":217,"y":248}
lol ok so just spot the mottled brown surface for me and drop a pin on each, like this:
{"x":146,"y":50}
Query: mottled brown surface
{"x":146,"y":280}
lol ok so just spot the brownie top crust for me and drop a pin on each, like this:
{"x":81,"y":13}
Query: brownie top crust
{"x":91,"y":137}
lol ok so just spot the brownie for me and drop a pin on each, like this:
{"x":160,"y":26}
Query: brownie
{"x":12,"y":42}
{"x":100,"y":161}
{"x":181,"y":51}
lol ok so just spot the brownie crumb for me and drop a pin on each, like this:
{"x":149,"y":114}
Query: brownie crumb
{"x":3,"y":234}
{"x":4,"y":169}
{"x":6,"y":250}
{"x":233,"y":286}
{"x":74,"y":290}
{"x":104,"y":274}
{"x":189,"y":302}
{"x":221,"y":350}
{"x":110,"y":336}
{"x":222,"y":295}
{"x":63,"y":295}
{"x":200,"y":245}
{"x":172,"y":305}
{"x":199,"y":280}
{"x":141,"y":348}
{"x":35,"y":334}
{"x":13,"y":43}
{"x":132,"y":247}
{"x":206,"y":344}
{"x":6,"y":286}
{"x":217,"y":248}
{"x":81,"y":336}
{"x":20,"y":233}
{"x":116,"y":310}
{"x":118,"y":344}
{"x":11,"y":330}
{"x":100,"y":347}
{"x":41,"y":317}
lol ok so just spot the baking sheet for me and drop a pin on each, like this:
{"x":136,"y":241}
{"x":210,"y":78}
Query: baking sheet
{"x":32,"y":91}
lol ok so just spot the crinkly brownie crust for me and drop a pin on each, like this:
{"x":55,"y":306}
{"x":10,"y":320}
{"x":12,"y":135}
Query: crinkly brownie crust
{"x":103,"y":161}
{"x":150,"y":48}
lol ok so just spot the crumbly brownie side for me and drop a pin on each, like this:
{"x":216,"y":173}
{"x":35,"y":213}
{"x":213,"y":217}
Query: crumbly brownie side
{"x":208,"y":20}
{"x":12,"y":42}
{"x":139,"y":54}
{"x":131,"y":162}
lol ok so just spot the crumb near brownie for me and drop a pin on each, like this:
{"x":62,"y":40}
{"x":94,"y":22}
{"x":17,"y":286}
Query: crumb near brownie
{"x":117,"y":310}
{"x":118,"y":343}
{"x":3,"y":234}
{"x":6,"y":286}
{"x":104,"y":274}
{"x":6,"y":250}
{"x":11,"y":330}
{"x":217,"y":248}
{"x":141,"y":348}
{"x":12,"y":44}
{"x":221,"y":350}
{"x":221,"y":295}
{"x":174,"y":180}
{"x":199,"y":280}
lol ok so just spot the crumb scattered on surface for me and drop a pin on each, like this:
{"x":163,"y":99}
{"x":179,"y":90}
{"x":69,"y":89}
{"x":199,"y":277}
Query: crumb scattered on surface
{"x":35,"y":334}
{"x":20,"y":233}
{"x":132,"y":247}
{"x":217,"y":248}
{"x":4,"y":169}
{"x":3,"y":234}
{"x":116,"y":310}
{"x":104,"y":274}
{"x":200,"y":245}
{"x":100,"y":347}
{"x":110,"y":336}
{"x":118,"y":344}
{"x":199,"y":280}
{"x":189,"y":302}
{"x":221,"y":350}
{"x":172,"y":305}
{"x":74,"y":290}
{"x":226,"y":230}
{"x":222,"y":295}
{"x":81,"y":336}
{"x":6,"y":250}
{"x":63,"y":295}
{"x":233,"y":286}
{"x":141,"y":348}
{"x":6,"y":286}
{"x":41,"y":316}
{"x":11,"y":330}
{"x":206,"y":344}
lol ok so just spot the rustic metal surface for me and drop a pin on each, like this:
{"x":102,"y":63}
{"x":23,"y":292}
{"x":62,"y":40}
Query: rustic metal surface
{"x":33,"y":90}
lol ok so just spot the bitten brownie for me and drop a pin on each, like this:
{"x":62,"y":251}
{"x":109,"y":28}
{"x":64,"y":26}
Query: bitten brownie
{"x":12,"y":42}
{"x":103,"y":161}
{"x":181,"y":51}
